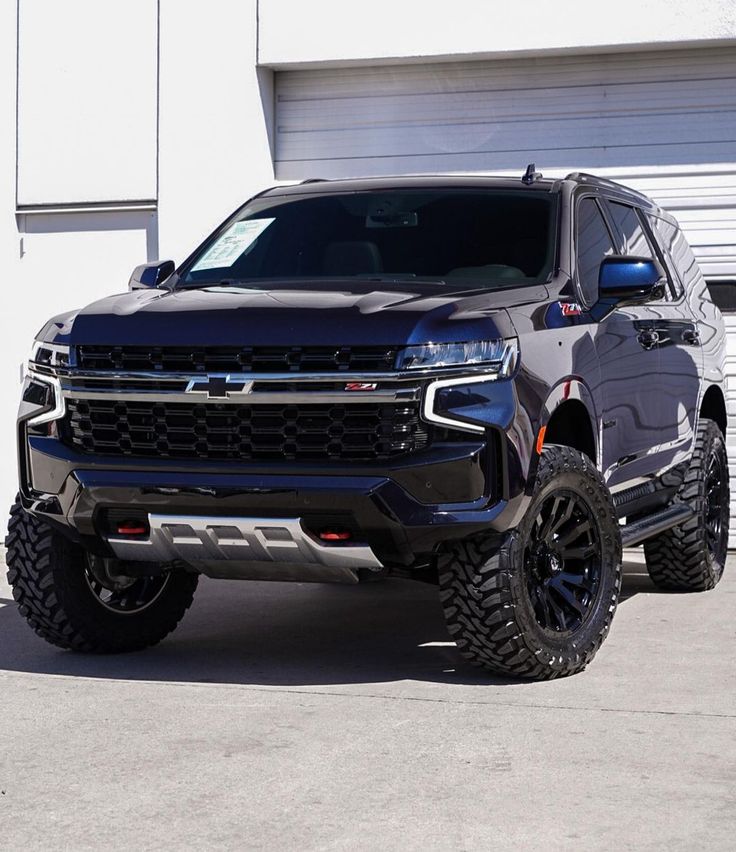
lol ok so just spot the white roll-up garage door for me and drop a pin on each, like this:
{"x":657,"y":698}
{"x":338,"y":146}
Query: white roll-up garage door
{"x":663,"y":122}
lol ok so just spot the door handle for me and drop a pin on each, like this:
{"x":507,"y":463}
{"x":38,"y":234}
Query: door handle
{"x":691,"y":336}
{"x":648,"y":338}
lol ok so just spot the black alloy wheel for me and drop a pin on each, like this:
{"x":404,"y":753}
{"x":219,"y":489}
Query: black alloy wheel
{"x":716,"y":506}
{"x":562,"y":561}
{"x":129,"y":596}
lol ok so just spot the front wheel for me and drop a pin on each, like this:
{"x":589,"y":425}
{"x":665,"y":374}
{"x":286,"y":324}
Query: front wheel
{"x":65,"y":602}
{"x":539,"y":605}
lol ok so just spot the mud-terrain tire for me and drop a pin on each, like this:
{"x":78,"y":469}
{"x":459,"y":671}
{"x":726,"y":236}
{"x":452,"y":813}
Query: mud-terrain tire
{"x":691,"y":556}
{"x":55,"y":594}
{"x":500,"y":602}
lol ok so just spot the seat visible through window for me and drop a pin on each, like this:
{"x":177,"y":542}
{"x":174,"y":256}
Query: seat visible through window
{"x":352,"y":258}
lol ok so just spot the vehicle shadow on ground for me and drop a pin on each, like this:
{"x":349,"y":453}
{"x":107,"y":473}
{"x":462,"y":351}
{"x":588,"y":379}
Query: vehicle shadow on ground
{"x":279,"y":634}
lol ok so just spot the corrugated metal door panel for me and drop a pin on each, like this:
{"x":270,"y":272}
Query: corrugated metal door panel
{"x":705,"y":206}
{"x":653,"y":120}
{"x":560,"y":136}
{"x":731,"y":431}
{"x":504,"y":74}
{"x":655,"y":108}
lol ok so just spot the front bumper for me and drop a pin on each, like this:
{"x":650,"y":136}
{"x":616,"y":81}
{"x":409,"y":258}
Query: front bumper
{"x":402,"y":512}
{"x":402,"y":508}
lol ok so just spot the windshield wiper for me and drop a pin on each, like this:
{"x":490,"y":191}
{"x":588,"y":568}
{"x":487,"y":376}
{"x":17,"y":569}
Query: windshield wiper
{"x":224,"y":282}
{"x":398,"y":278}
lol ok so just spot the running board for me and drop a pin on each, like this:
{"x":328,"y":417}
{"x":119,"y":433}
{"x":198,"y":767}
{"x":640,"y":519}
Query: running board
{"x":638,"y":531}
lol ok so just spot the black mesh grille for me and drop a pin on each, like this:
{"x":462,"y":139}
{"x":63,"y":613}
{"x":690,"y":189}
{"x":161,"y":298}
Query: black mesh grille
{"x":222,"y":431}
{"x":238,"y":359}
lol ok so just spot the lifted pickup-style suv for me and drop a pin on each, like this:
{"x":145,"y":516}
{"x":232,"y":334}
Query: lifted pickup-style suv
{"x":489,"y":383}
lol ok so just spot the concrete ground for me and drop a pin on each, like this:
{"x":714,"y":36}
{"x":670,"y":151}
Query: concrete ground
{"x":314,"y":717}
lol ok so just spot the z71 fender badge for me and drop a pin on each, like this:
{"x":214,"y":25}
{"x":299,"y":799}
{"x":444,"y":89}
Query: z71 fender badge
{"x":570,"y":309}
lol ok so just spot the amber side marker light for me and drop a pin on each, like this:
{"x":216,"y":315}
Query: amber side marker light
{"x":540,"y":440}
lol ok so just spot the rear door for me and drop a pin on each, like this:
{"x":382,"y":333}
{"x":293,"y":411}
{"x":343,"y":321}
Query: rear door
{"x":681,"y":341}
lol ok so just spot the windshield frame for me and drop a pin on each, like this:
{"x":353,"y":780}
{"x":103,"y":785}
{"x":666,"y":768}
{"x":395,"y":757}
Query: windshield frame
{"x":263,"y":283}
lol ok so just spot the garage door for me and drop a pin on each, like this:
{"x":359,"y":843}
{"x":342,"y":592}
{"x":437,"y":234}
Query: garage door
{"x":664,"y":122}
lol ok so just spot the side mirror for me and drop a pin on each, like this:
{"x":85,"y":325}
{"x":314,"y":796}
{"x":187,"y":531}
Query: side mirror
{"x":630,"y":279}
{"x":151,"y":274}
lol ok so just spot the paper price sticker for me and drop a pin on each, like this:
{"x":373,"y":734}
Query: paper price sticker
{"x":231,"y":245}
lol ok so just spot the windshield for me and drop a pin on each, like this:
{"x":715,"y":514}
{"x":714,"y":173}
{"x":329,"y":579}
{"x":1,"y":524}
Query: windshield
{"x":481,"y":237}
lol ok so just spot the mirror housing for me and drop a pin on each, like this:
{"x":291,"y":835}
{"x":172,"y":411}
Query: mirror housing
{"x":149,"y":275}
{"x":626,"y":279}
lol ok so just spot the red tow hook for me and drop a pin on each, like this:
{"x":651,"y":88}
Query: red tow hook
{"x":132,"y":528}
{"x":334,"y":535}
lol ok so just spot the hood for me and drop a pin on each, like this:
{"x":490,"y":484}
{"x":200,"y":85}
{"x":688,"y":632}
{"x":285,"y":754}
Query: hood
{"x":303,"y":313}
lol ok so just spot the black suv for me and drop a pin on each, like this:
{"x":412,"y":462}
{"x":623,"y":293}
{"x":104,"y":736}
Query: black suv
{"x":488,"y":383}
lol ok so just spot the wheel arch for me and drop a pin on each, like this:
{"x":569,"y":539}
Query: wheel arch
{"x":570,"y":418}
{"x":713,"y":407}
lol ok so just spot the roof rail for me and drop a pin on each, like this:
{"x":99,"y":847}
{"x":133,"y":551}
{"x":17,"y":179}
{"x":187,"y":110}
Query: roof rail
{"x":586,"y":176}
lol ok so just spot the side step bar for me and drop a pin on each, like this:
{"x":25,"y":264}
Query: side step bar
{"x":644,"y":528}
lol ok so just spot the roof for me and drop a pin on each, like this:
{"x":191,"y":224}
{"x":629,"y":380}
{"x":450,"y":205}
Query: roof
{"x":320,"y":186}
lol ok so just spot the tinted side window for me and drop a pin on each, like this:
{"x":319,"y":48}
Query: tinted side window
{"x":673,"y":245}
{"x":627,"y":221}
{"x":593,"y":244}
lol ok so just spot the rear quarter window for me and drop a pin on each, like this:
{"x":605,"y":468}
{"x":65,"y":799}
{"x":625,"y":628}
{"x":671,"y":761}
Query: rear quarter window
{"x":677,"y":252}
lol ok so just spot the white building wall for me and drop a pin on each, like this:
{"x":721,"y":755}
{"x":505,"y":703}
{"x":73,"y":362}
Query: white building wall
{"x":207,"y":136}
{"x":343,"y":32}
{"x":213,"y":141}
{"x":86,"y":101}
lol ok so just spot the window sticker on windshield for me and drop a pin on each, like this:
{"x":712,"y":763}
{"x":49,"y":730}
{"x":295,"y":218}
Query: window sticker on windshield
{"x":238,"y":238}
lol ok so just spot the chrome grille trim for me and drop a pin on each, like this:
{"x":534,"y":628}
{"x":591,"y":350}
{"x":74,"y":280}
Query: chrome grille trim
{"x":392,"y":376}
{"x":255,"y":397}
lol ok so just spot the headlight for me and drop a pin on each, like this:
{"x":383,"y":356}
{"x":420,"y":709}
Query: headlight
{"x":42,"y":394}
{"x":49,"y":354}
{"x":498,"y":355}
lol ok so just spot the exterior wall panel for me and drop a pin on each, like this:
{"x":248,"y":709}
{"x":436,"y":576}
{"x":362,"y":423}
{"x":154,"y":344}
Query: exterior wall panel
{"x":87,"y":101}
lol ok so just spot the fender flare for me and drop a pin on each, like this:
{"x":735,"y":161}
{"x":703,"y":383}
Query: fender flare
{"x":566,"y":389}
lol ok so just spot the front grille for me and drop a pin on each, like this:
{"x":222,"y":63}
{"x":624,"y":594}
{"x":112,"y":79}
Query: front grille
{"x":246,"y":432}
{"x":238,"y":359}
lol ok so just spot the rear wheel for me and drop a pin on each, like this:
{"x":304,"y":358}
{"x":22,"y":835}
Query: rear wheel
{"x":540,"y":605}
{"x":67,"y":603}
{"x":691,"y":557}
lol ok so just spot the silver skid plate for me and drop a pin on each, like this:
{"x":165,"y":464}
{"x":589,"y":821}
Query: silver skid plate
{"x":251,"y":548}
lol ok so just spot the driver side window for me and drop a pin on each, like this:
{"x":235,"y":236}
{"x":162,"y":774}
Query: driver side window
{"x":594,"y":242}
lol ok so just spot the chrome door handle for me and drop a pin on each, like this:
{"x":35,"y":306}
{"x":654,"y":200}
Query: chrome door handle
{"x":691,"y":336}
{"x":648,"y":338}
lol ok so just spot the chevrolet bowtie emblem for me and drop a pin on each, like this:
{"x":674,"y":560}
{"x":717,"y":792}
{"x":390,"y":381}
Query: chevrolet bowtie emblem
{"x":219,"y":387}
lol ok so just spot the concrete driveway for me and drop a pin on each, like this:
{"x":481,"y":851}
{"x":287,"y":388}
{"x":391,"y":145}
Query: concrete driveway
{"x":315,"y":717}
